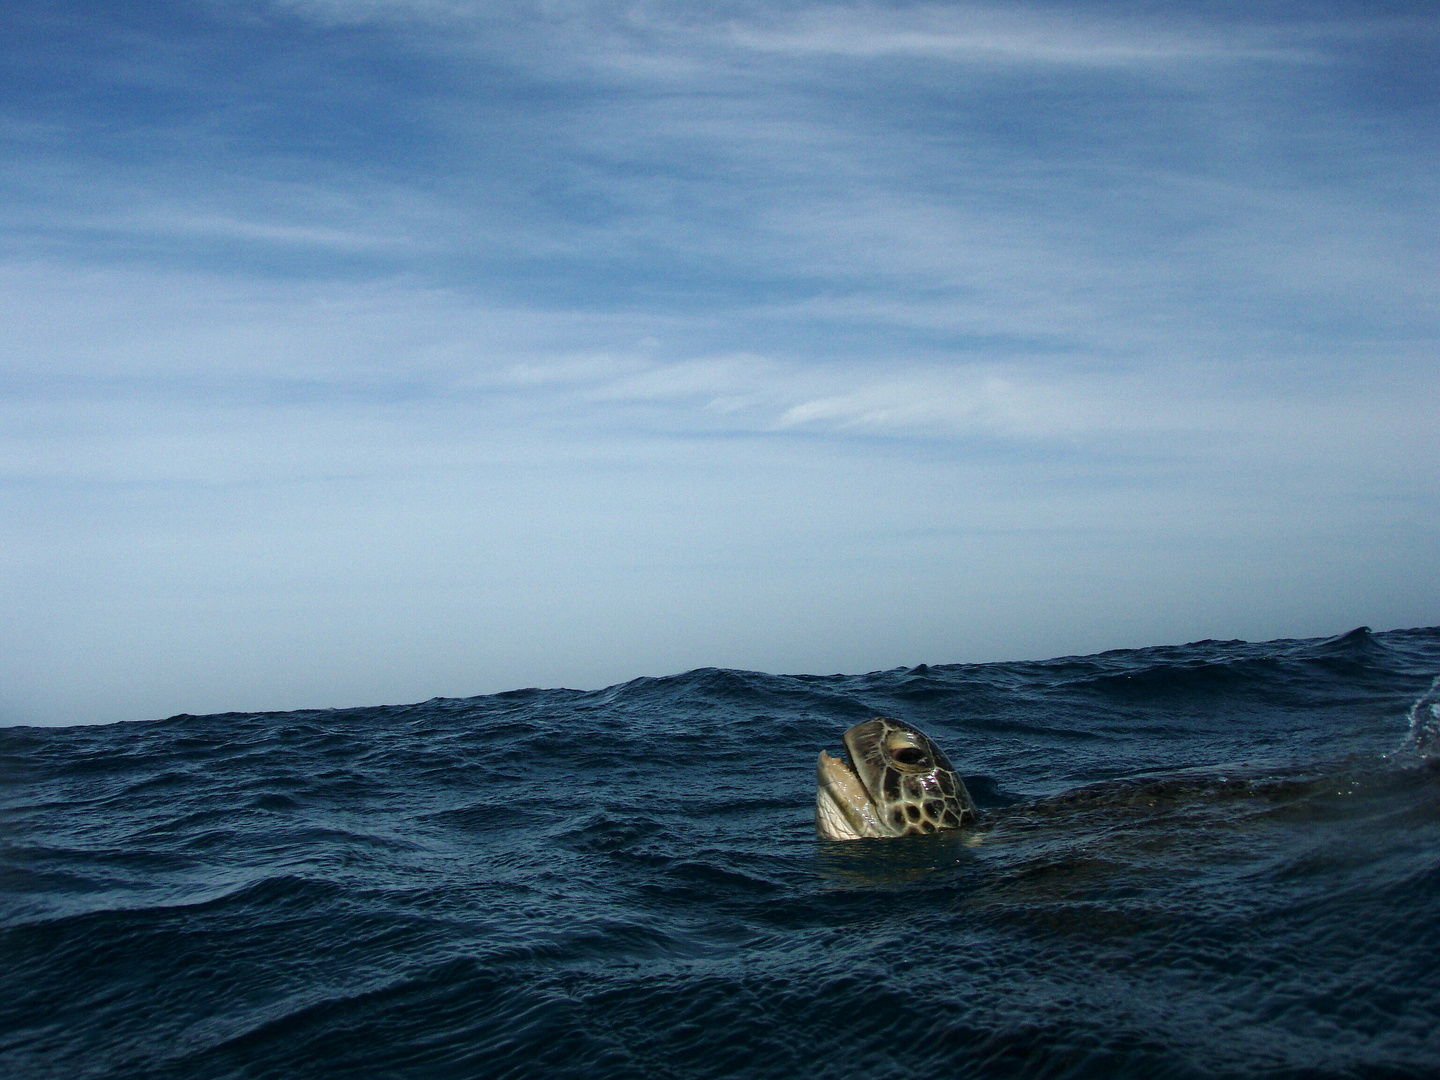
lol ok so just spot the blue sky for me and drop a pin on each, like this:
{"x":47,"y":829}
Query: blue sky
{"x":357,"y":351}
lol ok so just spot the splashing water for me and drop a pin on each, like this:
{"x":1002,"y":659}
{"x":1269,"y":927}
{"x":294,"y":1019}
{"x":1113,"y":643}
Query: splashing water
{"x":1424,"y":737}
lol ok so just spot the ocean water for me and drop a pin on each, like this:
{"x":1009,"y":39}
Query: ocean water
{"x":1219,"y":859}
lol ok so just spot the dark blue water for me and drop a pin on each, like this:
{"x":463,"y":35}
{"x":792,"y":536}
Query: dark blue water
{"x":1212,"y":860}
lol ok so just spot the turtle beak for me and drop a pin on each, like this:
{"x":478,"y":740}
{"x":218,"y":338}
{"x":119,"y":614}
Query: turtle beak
{"x":843,"y":810}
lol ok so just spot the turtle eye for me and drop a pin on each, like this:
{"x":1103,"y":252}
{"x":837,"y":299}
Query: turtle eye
{"x":909,"y":750}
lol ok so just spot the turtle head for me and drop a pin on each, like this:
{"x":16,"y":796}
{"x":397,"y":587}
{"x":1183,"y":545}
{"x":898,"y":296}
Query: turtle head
{"x":893,"y":781}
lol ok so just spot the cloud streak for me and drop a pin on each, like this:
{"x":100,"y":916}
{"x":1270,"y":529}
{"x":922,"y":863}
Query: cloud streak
{"x":996,"y":35}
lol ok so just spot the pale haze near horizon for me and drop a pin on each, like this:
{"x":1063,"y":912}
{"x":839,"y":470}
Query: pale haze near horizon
{"x":364,"y":352}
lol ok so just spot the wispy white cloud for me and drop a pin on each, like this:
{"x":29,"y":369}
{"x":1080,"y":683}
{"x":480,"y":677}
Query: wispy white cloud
{"x":219,"y":226}
{"x":998,"y":34}
{"x":362,"y":11}
{"x":988,"y":403}
{"x":665,"y":39}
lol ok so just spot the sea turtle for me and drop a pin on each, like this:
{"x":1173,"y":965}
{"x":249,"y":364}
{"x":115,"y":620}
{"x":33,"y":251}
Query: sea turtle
{"x":894,"y":782}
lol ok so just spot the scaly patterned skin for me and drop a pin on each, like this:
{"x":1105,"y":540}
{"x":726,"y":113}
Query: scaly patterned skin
{"x":896,"y":783}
